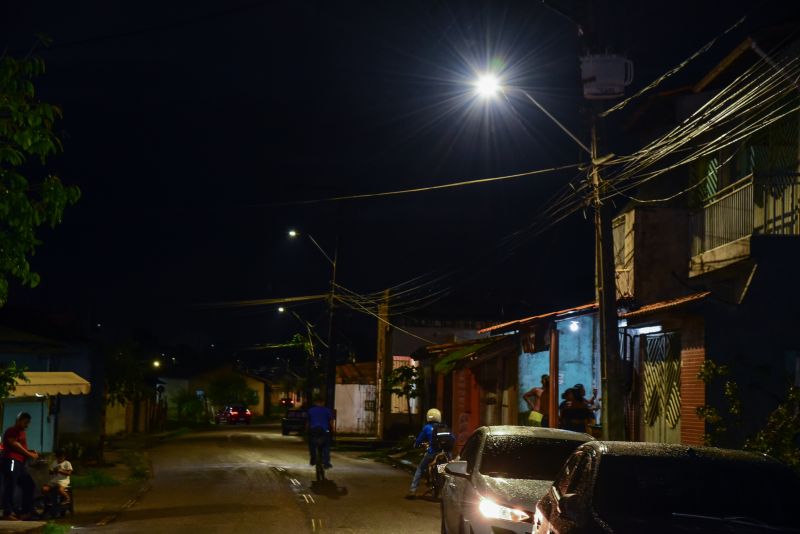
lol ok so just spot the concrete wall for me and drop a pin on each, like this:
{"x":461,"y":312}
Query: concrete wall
{"x":351,"y":413}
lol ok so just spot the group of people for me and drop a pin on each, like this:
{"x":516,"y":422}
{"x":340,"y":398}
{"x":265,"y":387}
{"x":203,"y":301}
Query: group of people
{"x":13,"y":464}
{"x":575,"y":412}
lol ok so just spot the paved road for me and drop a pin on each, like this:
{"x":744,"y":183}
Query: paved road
{"x":252,"y":479}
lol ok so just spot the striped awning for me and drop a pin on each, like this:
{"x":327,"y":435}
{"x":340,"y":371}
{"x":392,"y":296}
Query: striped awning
{"x":42,"y":384}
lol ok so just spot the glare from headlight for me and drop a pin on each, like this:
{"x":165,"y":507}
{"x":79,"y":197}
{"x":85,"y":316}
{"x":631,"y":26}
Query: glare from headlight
{"x":492,"y":510}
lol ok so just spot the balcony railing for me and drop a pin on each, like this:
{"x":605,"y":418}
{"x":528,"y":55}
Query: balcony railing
{"x":744,"y":208}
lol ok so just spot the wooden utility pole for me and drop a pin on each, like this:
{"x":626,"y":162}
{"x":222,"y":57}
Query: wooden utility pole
{"x":613,"y":417}
{"x":384,"y":361}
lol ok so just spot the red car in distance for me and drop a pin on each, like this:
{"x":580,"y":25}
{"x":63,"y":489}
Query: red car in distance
{"x":232,"y":414}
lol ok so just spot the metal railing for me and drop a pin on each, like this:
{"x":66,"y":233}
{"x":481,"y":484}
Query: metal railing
{"x":770,"y":207}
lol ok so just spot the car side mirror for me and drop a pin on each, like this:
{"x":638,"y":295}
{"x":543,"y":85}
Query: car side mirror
{"x":569,"y":506}
{"x":457,"y":469}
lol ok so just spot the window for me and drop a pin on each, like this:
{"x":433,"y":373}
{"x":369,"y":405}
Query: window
{"x":470,"y":451}
{"x":562,"y":482}
{"x":525,"y":457}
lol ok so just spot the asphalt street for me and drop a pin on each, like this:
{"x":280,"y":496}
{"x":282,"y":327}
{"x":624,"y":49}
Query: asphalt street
{"x":253,"y":479}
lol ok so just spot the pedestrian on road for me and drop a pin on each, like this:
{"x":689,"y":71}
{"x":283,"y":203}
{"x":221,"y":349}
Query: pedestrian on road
{"x":434,"y":420}
{"x":320,"y":424}
{"x":15,"y":473}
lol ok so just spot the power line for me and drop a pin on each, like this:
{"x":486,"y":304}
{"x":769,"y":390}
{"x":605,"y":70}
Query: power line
{"x":422,"y":189}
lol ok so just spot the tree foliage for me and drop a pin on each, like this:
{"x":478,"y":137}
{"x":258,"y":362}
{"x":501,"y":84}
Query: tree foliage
{"x":189,"y":407}
{"x":406,"y":382}
{"x":27,"y":140}
{"x":231,"y":389}
{"x":127,"y":374}
{"x":9,"y":373}
{"x":780,"y":437}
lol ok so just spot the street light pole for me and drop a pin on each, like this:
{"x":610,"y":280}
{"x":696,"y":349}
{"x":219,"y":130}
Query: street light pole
{"x":330,"y":362}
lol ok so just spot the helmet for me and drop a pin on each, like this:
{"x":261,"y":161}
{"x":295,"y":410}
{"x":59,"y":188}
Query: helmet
{"x":434,"y":416}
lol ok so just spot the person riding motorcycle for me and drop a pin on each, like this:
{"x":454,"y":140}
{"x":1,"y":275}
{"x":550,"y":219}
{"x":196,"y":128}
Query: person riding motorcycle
{"x":434,"y":419}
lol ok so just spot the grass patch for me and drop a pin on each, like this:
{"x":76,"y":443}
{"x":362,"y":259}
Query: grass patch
{"x":137,"y":464}
{"x":94,"y":478}
{"x":55,"y":528}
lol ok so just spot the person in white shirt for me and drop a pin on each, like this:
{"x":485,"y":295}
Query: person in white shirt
{"x":60,"y":471}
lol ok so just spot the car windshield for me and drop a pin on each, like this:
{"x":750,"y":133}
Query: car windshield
{"x":525,"y":457}
{"x":659,"y":486}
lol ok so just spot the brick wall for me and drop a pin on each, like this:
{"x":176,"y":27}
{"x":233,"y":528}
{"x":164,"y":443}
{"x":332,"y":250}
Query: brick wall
{"x":693,"y":394}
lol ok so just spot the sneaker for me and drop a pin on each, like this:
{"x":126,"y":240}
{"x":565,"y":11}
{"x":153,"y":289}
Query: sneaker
{"x":411,"y":495}
{"x":328,"y":466}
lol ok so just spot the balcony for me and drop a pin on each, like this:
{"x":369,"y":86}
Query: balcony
{"x":722,"y":229}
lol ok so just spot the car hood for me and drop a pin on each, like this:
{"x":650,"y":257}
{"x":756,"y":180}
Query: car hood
{"x":514,"y":491}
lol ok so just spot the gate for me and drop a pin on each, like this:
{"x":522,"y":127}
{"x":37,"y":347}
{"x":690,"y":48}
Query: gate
{"x":661,"y":387}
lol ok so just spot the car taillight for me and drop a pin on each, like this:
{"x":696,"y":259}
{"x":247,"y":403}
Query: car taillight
{"x":234,"y":413}
{"x":247,"y":412}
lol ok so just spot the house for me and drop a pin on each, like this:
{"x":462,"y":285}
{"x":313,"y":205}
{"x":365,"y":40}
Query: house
{"x":397,"y":346}
{"x":57,"y":394}
{"x":356,"y":398}
{"x":706,"y":260}
{"x":201,"y":382}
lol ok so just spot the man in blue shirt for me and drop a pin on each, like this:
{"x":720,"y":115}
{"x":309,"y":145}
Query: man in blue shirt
{"x":320,"y":425}
{"x":434,"y":418}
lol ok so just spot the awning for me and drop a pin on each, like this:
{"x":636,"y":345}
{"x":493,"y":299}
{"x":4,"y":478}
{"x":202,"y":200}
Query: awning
{"x":40,"y":384}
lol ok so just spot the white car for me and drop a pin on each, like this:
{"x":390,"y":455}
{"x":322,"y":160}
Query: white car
{"x":500,"y":474}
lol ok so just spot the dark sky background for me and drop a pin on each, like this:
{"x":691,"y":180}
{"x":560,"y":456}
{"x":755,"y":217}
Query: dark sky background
{"x":187,"y":123}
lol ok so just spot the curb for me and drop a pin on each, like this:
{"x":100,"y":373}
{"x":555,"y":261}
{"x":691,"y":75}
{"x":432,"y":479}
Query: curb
{"x":132,"y":501}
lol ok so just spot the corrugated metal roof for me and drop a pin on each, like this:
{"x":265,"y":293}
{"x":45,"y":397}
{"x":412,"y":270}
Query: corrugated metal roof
{"x":666,"y":304}
{"x":533,"y":319}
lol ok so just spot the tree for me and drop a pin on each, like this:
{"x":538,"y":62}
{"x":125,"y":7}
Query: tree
{"x":26,"y":139}
{"x":406,"y":382}
{"x":231,"y":389}
{"x":9,"y":373}
{"x":780,"y":437}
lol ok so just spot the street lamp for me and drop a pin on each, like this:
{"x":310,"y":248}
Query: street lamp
{"x":281,"y":309}
{"x":156,"y":364}
{"x":487,"y":85}
{"x":330,"y":364}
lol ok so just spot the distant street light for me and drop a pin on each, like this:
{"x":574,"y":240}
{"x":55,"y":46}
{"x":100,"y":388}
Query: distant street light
{"x":330,"y":364}
{"x":281,"y":309}
{"x":156,"y":364}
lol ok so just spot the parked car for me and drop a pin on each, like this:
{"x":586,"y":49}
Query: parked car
{"x":294,"y":421}
{"x":500,"y":474}
{"x":232,"y":414}
{"x":622,"y":487}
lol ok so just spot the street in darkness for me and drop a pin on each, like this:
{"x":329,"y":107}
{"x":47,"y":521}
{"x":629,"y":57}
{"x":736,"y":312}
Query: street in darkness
{"x":253,"y":479}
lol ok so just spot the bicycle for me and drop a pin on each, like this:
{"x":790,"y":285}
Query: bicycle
{"x":319,"y":438}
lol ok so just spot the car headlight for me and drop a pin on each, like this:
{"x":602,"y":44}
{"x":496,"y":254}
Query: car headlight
{"x":492,"y":510}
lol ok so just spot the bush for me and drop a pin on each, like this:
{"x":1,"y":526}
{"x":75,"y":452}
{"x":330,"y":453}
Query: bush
{"x":94,"y":478}
{"x":189,"y":407}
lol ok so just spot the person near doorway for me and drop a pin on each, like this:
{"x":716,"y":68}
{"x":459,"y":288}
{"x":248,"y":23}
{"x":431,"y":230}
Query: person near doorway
{"x":538,"y":399}
{"x":15,"y":472}
{"x":574,"y":413}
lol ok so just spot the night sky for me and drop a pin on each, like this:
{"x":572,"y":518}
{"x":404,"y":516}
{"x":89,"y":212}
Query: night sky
{"x":189,"y":125}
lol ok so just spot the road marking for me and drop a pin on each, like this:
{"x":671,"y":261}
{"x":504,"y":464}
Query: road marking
{"x":305,"y":497}
{"x":294,"y":481}
{"x":311,"y":498}
{"x":106,"y":520}
{"x":316,"y":524}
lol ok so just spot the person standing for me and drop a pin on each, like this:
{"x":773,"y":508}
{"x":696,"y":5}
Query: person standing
{"x":538,"y":399}
{"x":15,"y":472}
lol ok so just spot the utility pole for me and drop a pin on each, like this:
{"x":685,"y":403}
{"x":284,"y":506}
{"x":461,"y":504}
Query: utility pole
{"x":384,"y":361}
{"x":613,"y":416}
{"x":330,"y":363}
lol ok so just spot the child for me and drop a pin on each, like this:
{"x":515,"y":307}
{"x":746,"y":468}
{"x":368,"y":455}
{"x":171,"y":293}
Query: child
{"x":60,"y":470}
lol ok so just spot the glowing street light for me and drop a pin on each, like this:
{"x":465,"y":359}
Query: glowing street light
{"x":156,"y":364}
{"x":292,"y":233}
{"x":487,"y":86}
{"x":281,"y":309}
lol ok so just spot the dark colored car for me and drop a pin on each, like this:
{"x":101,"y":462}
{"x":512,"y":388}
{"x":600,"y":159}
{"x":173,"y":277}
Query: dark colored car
{"x":232,"y":414}
{"x":502,"y":471}
{"x":623,"y":487}
{"x":294,"y":421}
